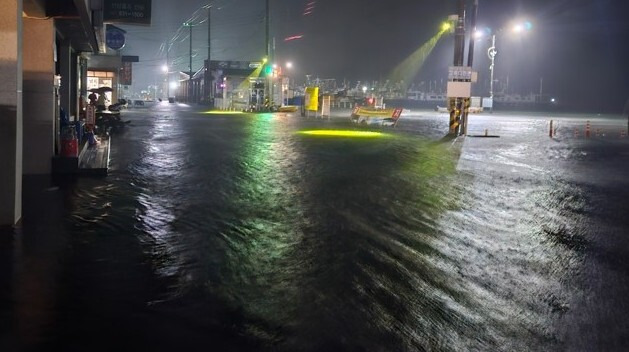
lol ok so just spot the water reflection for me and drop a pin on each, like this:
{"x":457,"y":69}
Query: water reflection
{"x":240,"y":233}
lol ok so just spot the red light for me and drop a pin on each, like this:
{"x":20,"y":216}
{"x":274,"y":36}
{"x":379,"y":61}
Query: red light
{"x":294,"y":37}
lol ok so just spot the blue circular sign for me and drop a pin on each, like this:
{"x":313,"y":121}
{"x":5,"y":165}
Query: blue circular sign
{"x":115,"y":38}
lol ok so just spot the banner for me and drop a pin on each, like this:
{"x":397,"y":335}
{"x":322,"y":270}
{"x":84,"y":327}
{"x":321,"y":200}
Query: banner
{"x":126,"y":74}
{"x":311,"y":99}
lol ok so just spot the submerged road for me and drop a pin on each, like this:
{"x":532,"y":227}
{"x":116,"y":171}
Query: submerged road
{"x":238,"y":232}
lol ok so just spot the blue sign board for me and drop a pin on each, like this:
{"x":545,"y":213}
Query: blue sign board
{"x":115,"y":38}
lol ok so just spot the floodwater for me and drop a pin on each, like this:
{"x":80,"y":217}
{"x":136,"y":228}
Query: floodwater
{"x":237,"y":232}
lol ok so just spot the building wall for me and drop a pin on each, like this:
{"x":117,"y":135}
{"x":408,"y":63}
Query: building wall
{"x":39,"y":115}
{"x":10,"y":112}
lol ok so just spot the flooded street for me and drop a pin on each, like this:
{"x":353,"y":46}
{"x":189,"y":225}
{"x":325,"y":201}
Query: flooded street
{"x":237,"y":232}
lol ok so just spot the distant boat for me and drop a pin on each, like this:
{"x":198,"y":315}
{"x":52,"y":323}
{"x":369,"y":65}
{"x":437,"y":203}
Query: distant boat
{"x":376,"y":116}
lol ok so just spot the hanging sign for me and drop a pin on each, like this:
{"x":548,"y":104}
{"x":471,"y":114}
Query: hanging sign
{"x":127,"y":11}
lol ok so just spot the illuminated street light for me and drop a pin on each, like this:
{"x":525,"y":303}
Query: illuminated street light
{"x":364,"y":89}
{"x":173,"y":85}
{"x":289,"y":65}
{"x":446,"y":26}
{"x":518,"y":28}
{"x":165,"y":68}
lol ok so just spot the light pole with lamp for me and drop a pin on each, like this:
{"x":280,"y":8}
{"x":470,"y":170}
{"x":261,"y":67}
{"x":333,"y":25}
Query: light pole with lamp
{"x":289,"y":67}
{"x":492,"y":52}
{"x":165,"y":70}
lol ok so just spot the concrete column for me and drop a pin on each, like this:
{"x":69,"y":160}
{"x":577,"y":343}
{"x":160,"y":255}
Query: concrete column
{"x":39,"y":115}
{"x":74,"y":81}
{"x":65,"y":68}
{"x":10,"y":112}
{"x":83,"y":74}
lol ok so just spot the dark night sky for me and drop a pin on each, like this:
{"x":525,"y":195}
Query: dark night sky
{"x":579,"y":47}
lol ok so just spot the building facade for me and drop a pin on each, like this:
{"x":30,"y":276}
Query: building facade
{"x":44,"y":47}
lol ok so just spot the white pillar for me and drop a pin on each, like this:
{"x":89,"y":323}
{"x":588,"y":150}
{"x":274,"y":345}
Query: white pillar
{"x":39,"y":115}
{"x":10,"y":112}
{"x":65,"y":67}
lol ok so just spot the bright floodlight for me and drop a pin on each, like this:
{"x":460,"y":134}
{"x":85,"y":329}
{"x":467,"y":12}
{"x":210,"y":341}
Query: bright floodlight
{"x":446,"y":26}
{"x":364,"y":89}
{"x":479,"y":34}
{"x":165,"y":68}
{"x":264,"y":60}
{"x":289,"y":65}
{"x":174,"y":85}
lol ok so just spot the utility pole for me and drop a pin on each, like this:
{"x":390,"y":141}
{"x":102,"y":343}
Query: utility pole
{"x":269,"y":58}
{"x":470,"y":54}
{"x":459,"y":35}
{"x":167,"y":70}
{"x":190,"y":67}
{"x":268,"y":35}
{"x":208,"y":70}
{"x":470,"y":63}
{"x":455,"y":104}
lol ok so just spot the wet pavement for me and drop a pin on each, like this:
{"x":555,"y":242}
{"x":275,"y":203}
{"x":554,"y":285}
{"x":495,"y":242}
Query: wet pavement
{"x":237,"y":232}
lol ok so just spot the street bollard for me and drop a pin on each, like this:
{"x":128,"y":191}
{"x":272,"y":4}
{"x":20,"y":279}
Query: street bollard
{"x":587,"y":129}
{"x":576,"y":132}
{"x":486,"y":132}
{"x":550,"y":132}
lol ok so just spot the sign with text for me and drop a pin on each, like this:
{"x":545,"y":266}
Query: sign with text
{"x":460,"y":73}
{"x":90,"y":115}
{"x":127,"y":11}
{"x":126,"y":73}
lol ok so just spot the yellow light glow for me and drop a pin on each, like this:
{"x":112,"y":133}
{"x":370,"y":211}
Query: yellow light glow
{"x":344,"y":133}
{"x":446,"y":26}
{"x":219,"y":112}
{"x":408,"y":69}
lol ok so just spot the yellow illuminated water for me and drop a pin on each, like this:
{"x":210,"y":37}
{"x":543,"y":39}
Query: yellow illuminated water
{"x":344,"y":133}
{"x":219,"y":112}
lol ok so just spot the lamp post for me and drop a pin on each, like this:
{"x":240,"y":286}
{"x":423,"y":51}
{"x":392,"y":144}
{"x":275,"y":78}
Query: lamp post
{"x":289,"y":67}
{"x":165,"y":70}
{"x":492,"y":52}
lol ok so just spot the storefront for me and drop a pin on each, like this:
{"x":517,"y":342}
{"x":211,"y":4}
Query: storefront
{"x":99,"y":79}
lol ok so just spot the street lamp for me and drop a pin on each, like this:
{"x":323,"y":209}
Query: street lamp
{"x":289,"y":65}
{"x":518,"y":28}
